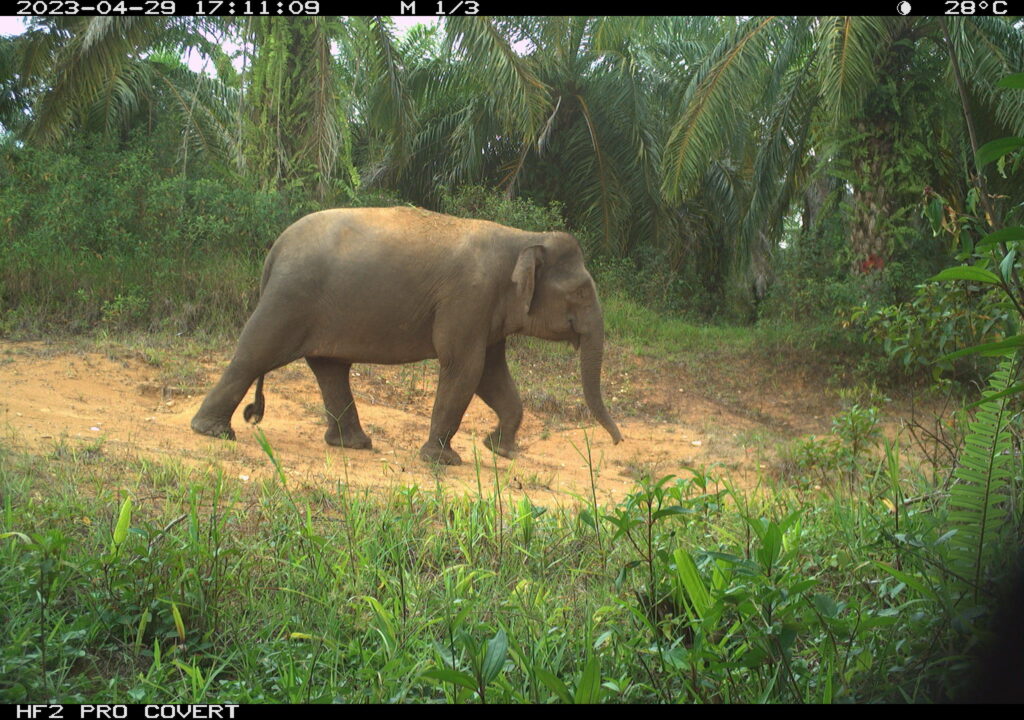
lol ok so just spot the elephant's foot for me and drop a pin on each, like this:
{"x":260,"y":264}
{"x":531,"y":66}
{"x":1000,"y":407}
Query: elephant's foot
{"x":434,"y":453}
{"x":493,"y":442}
{"x":214,"y":428}
{"x":351,"y":441}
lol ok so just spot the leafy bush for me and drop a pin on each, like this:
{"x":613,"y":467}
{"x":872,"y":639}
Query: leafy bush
{"x":98,"y":235}
{"x":941,"y":319}
{"x":474,"y":201}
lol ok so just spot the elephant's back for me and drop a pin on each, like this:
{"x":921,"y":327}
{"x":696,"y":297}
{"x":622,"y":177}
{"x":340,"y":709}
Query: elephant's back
{"x":370,"y":279}
{"x":393,"y":224}
{"x":394,"y":229}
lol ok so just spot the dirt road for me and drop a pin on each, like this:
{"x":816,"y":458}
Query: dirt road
{"x":118,"y":401}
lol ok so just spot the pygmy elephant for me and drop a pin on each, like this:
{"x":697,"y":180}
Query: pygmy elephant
{"x":398,"y":285}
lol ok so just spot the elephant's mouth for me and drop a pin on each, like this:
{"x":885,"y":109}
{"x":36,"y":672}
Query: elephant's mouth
{"x":574,"y":334}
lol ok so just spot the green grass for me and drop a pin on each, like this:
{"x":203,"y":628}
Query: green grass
{"x":645,"y":331}
{"x":202,"y":589}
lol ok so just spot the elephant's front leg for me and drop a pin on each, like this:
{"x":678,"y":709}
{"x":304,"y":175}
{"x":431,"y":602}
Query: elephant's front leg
{"x":498,"y":390}
{"x":343,"y":428}
{"x":457,"y":381}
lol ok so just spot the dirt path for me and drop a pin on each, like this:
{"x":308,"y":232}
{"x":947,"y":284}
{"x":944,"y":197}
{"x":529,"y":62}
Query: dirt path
{"x":118,"y":401}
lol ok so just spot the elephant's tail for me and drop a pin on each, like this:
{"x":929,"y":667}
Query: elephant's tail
{"x":253,"y":412}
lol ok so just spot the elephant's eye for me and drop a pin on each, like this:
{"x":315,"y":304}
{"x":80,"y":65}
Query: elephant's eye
{"x":582,"y":293}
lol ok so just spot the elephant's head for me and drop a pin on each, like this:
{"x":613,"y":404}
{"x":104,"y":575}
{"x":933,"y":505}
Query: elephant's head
{"x":556,"y":299}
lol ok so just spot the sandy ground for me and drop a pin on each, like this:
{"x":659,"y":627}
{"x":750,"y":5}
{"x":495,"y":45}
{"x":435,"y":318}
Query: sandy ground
{"x":116,"y":400}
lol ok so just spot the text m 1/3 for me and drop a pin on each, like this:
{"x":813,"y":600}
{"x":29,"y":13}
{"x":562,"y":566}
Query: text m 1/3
{"x":438,"y":7}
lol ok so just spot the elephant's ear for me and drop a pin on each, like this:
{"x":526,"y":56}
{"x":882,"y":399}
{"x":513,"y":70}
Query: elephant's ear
{"x":524,"y":279}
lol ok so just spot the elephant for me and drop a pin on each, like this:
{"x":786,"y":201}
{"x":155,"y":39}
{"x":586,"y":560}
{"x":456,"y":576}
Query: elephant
{"x":402,"y":284}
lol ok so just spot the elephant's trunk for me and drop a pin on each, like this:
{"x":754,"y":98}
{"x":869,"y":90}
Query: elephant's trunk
{"x":591,"y":357}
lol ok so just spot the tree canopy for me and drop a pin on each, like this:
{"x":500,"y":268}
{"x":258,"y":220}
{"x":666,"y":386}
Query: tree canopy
{"x":698,"y":143}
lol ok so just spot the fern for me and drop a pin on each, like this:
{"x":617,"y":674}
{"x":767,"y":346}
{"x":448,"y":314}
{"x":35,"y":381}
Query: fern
{"x":977,"y":506}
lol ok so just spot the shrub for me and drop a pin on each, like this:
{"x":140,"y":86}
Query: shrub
{"x":98,"y":235}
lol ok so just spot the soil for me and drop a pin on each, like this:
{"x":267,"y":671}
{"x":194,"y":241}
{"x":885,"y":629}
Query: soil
{"x":118,"y":403}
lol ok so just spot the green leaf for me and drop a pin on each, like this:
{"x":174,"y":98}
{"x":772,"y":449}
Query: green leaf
{"x":179,"y":625}
{"x":124,"y":519}
{"x":696,"y":591}
{"x":588,"y":691}
{"x":455,"y":677}
{"x":771,"y":545}
{"x":143,"y":624}
{"x":555,"y":685}
{"x":587,"y":518}
{"x":997,"y":148}
{"x":965,"y":272}
{"x":933,"y":210}
{"x":1006,"y":235}
{"x":1013,"y":390}
{"x":494,"y":656}
{"x":672,"y":510}
{"x":826,"y":605}
{"x":907,"y":578}
{"x":21,"y":536}
{"x":1006,"y":266}
{"x":1012,"y":82}
{"x":385,"y":625}
{"x":802,"y":586}
{"x":993,"y":349}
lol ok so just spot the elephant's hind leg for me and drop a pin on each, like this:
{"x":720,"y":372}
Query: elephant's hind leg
{"x":214,"y":416}
{"x":343,"y":428}
{"x":498,"y":390}
{"x":266,"y":343}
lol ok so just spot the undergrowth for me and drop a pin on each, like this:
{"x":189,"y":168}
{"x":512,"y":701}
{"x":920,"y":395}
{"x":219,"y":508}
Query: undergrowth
{"x":126,"y":580}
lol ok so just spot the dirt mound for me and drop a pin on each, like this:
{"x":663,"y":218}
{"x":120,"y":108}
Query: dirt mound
{"x":118,"y":401}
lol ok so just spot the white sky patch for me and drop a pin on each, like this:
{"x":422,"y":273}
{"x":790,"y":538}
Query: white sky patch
{"x":198,"y":62}
{"x":11,"y":25}
{"x":404,"y":22}
{"x":14,"y":25}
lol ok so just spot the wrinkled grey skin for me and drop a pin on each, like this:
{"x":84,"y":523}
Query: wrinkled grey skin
{"x":398,"y":285}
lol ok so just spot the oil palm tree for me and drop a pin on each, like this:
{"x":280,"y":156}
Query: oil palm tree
{"x":836,"y":95}
{"x":283,"y":118}
{"x":559,"y":108}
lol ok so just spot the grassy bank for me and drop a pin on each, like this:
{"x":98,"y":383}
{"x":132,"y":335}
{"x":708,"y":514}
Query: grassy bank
{"x":127,"y":580}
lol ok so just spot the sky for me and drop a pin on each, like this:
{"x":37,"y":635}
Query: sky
{"x":11,"y":25}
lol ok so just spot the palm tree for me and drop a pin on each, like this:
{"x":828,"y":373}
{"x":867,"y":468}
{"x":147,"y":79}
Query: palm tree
{"x":282,"y":119}
{"x":849,"y":90}
{"x":565,"y":109}
{"x":295,"y":124}
{"x":15,"y":95}
{"x":98,"y":73}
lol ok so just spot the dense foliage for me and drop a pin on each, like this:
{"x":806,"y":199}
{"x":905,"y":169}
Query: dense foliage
{"x":703,"y":152}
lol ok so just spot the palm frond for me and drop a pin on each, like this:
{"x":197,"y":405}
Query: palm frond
{"x":716,"y":105}
{"x":82,"y":59}
{"x":525,"y":99}
{"x":847,"y":46}
{"x":978,"y":505}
